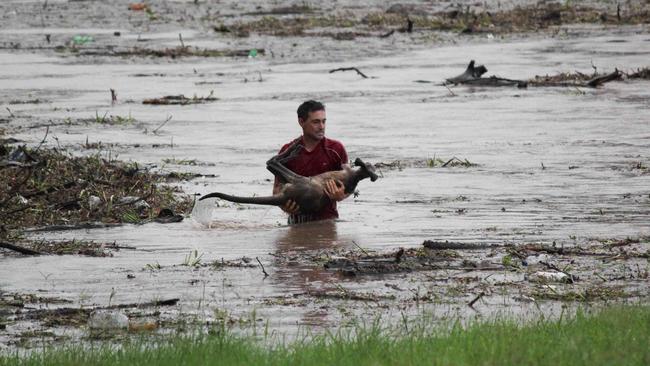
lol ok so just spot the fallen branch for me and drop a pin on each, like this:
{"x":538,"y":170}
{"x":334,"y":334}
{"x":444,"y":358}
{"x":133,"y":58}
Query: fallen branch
{"x":83,"y":225}
{"x":363,"y":250}
{"x":47,"y":131}
{"x":597,"y":81}
{"x":388,"y":34}
{"x":349,"y":69}
{"x":477,"y":298}
{"x":445,"y":245}
{"x":180,"y":37}
{"x":15,"y":210}
{"x":261,"y":265}
{"x":167,"y":302}
{"x":169,"y":118}
{"x":18,"y":249}
{"x":11,"y":163}
{"x":643,"y":73}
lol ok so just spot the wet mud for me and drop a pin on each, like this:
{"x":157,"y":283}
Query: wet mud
{"x":523,"y":202}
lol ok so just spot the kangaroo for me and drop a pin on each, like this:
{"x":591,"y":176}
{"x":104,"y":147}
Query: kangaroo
{"x":307,"y":192}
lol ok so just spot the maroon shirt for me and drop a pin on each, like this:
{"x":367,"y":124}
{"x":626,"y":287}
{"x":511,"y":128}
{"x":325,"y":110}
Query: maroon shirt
{"x":328,"y":155}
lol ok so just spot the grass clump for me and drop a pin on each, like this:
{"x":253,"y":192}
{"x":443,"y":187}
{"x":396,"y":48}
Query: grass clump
{"x":113,"y":119}
{"x":614,"y":336}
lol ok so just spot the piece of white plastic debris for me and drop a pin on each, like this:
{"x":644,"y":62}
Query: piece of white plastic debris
{"x":535,"y":259}
{"x":546,"y":277}
{"x":94,"y":202}
{"x":108,"y":320}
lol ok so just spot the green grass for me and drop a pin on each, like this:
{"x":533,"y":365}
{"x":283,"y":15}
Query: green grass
{"x":615,"y":336}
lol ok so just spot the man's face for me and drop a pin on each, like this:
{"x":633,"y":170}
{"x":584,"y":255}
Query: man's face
{"x":314,"y":126}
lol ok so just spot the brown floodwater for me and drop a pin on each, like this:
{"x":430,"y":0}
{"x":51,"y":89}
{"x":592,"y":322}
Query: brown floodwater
{"x":561,"y":165}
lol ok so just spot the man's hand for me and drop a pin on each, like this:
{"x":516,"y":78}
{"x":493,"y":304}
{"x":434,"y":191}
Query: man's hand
{"x":335,"y":190}
{"x":290,"y":207}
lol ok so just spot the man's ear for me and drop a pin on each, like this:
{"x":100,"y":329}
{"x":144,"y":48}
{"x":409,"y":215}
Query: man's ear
{"x":301,"y":121}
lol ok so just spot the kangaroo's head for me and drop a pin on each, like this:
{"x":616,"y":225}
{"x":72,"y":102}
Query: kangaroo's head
{"x":367,"y":169}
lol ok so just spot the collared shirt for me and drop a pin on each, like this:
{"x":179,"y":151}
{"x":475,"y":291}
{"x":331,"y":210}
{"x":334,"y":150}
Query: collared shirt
{"x":327,"y":156}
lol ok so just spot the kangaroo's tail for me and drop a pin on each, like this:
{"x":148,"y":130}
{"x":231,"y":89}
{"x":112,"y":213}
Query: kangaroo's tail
{"x":276,"y":200}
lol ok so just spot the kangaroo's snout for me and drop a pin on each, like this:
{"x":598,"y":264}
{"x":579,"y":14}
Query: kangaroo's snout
{"x":368,"y":168}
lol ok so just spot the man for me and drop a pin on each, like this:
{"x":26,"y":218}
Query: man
{"x":317,"y":155}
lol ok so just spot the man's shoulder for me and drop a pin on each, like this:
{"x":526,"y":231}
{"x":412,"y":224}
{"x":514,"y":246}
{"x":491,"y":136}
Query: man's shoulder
{"x":286,"y":146}
{"x":333,"y":144}
{"x":335,"y":149}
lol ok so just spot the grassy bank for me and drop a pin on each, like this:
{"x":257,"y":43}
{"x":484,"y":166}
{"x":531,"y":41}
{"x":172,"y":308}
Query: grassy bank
{"x":615,"y":336}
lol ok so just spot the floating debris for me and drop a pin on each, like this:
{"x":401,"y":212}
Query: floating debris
{"x":180,"y":100}
{"x":48,"y":188}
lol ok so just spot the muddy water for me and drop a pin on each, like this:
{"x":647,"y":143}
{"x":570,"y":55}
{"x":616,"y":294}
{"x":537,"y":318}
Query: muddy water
{"x":553,"y":165}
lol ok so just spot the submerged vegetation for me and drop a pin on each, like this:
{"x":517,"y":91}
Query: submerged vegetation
{"x":616,"y":335}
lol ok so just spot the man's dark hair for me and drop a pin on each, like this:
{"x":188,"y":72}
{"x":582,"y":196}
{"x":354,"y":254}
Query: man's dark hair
{"x":308,"y":107}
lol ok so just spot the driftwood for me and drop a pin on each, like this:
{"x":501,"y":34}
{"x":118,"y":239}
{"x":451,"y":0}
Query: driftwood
{"x":496,"y":81}
{"x":471,"y":73}
{"x":473,"y":76}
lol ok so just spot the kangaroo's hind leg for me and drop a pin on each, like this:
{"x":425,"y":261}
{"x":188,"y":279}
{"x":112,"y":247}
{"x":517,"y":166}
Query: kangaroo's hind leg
{"x":275,"y":164}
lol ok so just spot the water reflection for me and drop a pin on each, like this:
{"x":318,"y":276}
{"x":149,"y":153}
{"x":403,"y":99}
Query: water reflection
{"x":295,"y":273}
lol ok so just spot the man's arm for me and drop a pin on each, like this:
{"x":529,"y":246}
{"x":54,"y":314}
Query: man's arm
{"x":335,"y":189}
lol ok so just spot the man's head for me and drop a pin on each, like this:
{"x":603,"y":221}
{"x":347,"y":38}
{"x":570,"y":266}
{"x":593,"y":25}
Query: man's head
{"x":312,"y":118}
